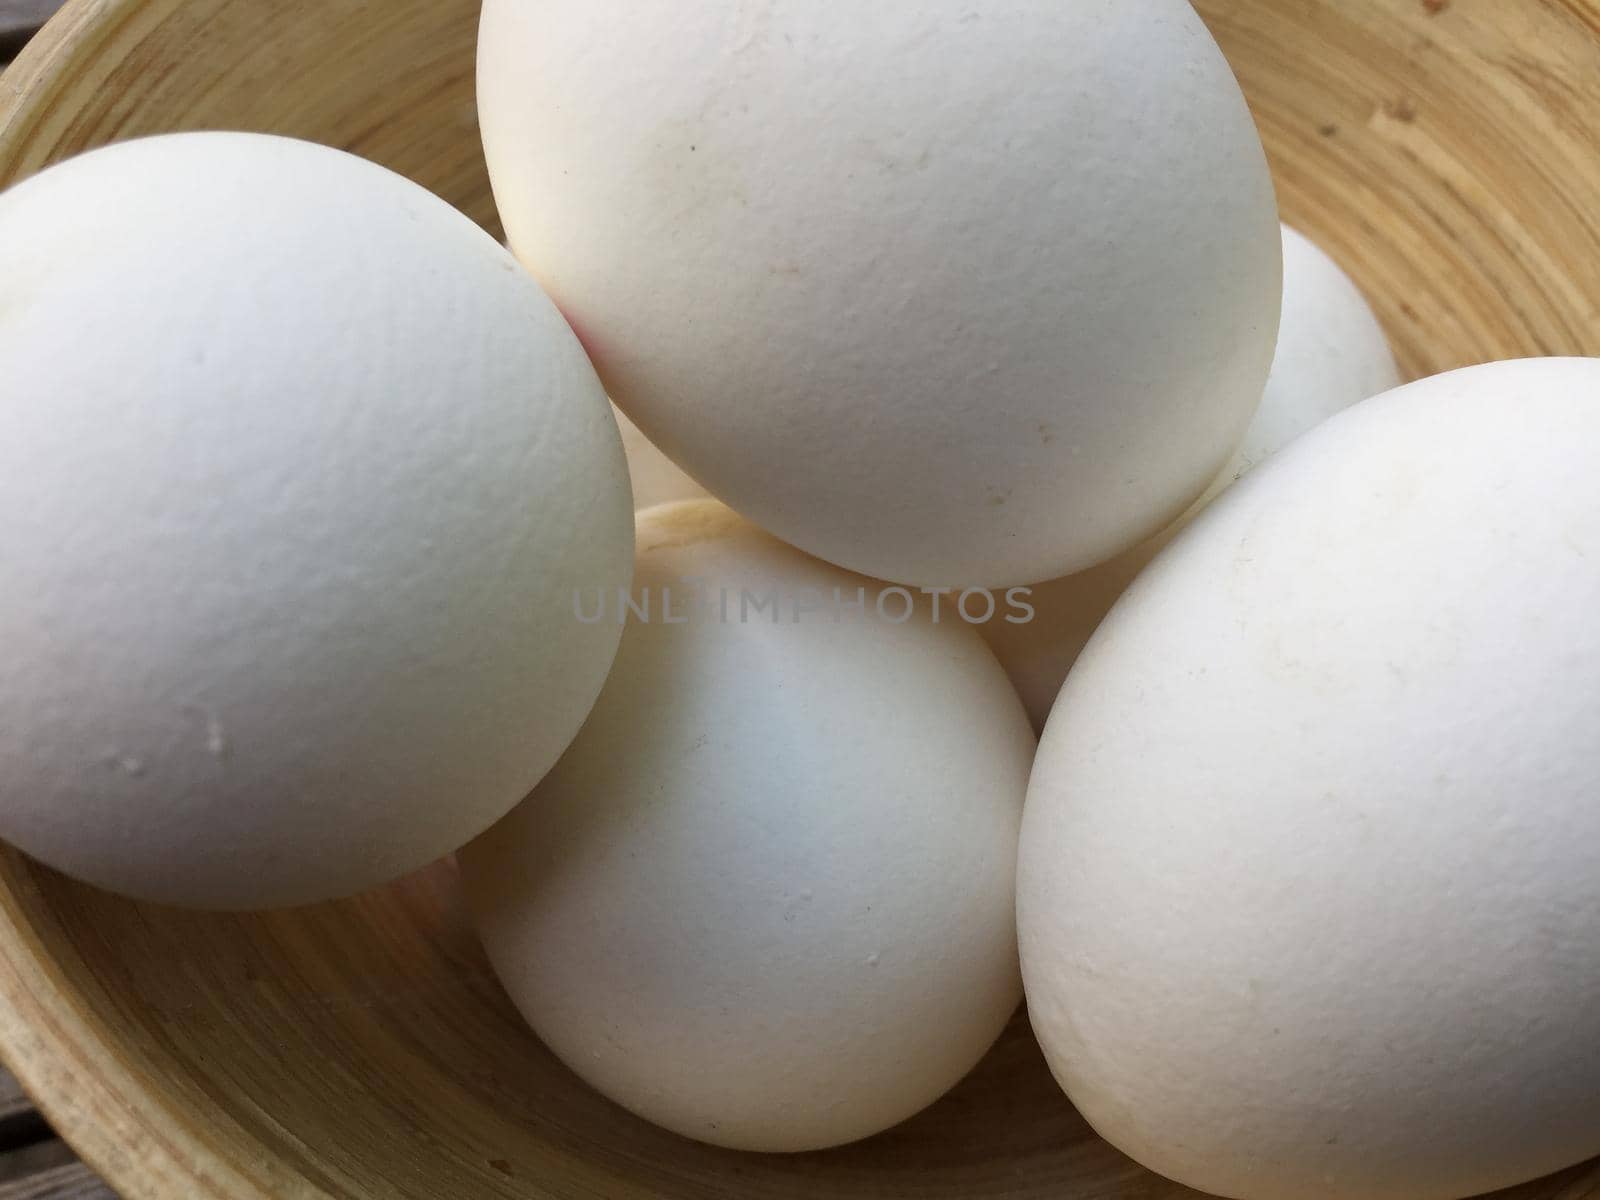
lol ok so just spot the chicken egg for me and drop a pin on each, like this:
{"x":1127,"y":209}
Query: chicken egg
{"x":303,"y":470}
{"x":767,"y":899}
{"x":1309,"y":885}
{"x":947,"y":295}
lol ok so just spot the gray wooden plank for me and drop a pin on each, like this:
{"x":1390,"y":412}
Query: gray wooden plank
{"x":34,"y":1163}
{"x":67,"y":1179}
{"x":17,"y":1165}
{"x":19,"y":15}
{"x":19,"y":19}
{"x":20,"y":1124}
{"x":13,"y":1100}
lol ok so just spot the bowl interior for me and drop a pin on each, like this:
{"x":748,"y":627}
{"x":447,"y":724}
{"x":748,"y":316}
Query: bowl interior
{"x":1441,"y":151}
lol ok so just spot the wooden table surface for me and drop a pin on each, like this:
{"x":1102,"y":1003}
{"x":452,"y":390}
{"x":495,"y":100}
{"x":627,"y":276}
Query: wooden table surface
{"x":18,"y":20}
{"x":34,"y":1163}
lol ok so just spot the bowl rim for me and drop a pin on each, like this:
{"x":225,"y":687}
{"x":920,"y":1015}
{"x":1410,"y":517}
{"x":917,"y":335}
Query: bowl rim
{"x":29,"y":84}
{"x":97,"y":1100}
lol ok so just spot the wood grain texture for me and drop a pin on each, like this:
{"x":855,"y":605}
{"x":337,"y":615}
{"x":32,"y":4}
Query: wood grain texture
{"x":34,"y":1163}
{"x":391,"y":81}
{"x":20,"y":1123}
{"x":14,"y":1101}
{"x":68,"y":1181}
{"x":1445,"y":152}
{"x":48,"y":1170}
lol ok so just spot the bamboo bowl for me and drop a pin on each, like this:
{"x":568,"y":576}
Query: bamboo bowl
{"x":1445,"y":152}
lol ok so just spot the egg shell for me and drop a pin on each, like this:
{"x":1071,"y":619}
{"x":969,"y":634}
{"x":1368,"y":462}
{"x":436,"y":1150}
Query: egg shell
{"x":656,"y":478}
{"x":1331,"y":354}
{"x":766,"y":900}
{"x":1309,"y":886}
{"x":302,"y":470}
{"x":1006,"y":278}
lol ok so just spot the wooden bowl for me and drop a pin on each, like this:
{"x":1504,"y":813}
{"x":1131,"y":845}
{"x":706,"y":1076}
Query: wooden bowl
{"x":1445,"y":152}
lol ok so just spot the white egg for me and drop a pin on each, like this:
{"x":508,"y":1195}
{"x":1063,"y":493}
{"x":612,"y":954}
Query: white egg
{"x":1309,"y":888}
{"x":656,"y":478}
{"x":302,"y":470}
{"x":1331,"y":354}
{"x":949,"y":295}
{"x":1063,"y":615}
{"x":766,"y":900}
